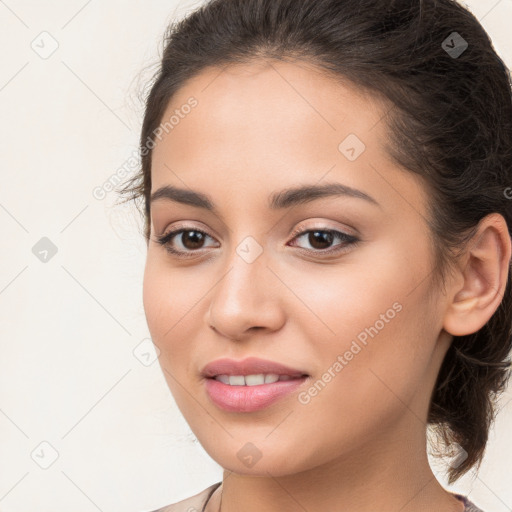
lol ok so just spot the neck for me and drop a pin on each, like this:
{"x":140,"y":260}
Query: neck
{"x":390,"y":476}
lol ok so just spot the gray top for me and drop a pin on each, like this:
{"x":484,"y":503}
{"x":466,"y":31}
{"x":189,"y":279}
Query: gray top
{"x":198,"y":502}
{"x":470,"y":507}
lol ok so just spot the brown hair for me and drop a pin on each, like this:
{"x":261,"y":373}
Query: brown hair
{"x":450,"y":122}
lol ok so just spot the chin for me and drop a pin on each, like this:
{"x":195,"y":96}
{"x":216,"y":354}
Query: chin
{"x":248,"y":459}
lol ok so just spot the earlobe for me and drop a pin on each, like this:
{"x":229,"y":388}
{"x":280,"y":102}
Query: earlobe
{"x":484,"y":278}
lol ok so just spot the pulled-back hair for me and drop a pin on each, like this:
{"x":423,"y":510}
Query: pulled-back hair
{"x":449,"y":120}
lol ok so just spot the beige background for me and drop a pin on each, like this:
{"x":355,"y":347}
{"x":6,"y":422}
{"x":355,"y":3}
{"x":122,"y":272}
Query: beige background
{"x":77,"y":393}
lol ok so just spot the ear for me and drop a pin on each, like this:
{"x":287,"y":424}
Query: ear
{"x":484,"y":271}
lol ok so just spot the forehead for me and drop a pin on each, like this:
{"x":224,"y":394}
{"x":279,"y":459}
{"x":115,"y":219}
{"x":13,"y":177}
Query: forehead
{"x":267,"y":124}
{"x":268,"y":99}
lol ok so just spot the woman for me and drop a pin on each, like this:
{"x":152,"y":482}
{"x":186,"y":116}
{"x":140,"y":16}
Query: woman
{"x":326,"y":188}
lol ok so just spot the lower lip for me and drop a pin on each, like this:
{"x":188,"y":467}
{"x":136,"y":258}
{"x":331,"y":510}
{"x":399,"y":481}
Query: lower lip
{"x":249,"y":398}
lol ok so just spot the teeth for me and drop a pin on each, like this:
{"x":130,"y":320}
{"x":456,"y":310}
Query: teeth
{"x":223,"y":378}
{"x":236,"y":380}
{"x":251,"y":380}
{"x":254,"y":380}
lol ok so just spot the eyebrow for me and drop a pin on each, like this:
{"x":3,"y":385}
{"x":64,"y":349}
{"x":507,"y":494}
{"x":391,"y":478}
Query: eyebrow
{"x":278,"y":200}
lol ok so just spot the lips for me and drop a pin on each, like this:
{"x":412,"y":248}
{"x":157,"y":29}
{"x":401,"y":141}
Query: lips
{"x":244,"y":390}
{"x":249,"y":366}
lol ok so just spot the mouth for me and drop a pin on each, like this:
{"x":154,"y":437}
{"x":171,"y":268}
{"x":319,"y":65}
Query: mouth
{"x":251,"y":384}
{"x":251,"y":369}
{"x":257,"y":379}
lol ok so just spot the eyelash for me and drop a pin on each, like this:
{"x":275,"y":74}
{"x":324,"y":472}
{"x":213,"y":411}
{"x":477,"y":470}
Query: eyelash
{"x":349,"y":240}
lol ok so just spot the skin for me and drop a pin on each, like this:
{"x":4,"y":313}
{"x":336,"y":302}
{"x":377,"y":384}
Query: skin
{"x":259,"y":128}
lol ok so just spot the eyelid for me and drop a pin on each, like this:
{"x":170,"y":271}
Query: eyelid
{"x":323,"y":226}
{"x":186,"y":225}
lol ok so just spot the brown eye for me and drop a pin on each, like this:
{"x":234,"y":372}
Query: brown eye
{"x":321,"y":240}
{"x":191,"y":239}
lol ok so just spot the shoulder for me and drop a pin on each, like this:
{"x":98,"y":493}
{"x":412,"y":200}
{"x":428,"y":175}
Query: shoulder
{"x":193,"y":504}
{"x":470,"y":506}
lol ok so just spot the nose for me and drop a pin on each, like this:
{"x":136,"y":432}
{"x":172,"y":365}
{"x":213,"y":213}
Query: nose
{"x":248,"y":297}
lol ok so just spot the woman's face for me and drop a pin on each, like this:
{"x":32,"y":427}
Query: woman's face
{"x":346,"y":304}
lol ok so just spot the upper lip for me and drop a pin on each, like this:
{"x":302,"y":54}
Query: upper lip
{"x":248,"y":366}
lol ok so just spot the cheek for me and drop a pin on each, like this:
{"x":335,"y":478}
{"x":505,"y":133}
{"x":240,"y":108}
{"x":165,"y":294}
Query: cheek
{"x":374,"y":386}
{"x":169,"y":295}
{"x":374,"y":315}
{"x":163,"y":312}
{"x":174,"y":304}
{"x":154,"y":297}
{"x":164,"y":304}
{"x":343,"y":302}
